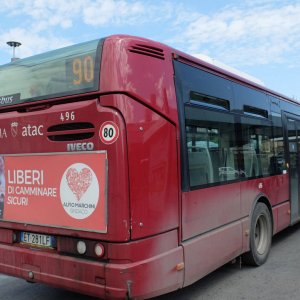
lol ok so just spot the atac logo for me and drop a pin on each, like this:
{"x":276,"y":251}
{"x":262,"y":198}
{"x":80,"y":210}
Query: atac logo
{"x":14,"y":129}
{"x":27,"y":130}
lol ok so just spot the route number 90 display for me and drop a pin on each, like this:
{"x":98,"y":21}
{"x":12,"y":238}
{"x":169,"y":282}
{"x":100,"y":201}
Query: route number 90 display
{"x":81,"y":71}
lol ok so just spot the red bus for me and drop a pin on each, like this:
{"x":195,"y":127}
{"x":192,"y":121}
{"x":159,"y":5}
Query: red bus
{"x":130,"y":169}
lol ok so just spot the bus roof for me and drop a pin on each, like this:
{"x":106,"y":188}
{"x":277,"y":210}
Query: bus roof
{"x":76,"y":69}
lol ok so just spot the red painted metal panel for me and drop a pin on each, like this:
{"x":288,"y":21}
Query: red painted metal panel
{"x":283,"y":216}
{"x":153,"y":149}
{"x":151,"y":81}
{"x":143,"y":249}
{"x":153,"y":167}
{"x":147,"y":278}
{"x":6,"y":236}
{"x":209,"y":208}
{"x":207,"y":252}
{"x":275,"y":188}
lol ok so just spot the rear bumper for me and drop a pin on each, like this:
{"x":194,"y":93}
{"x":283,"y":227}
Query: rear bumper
{"x":60,"y":271}
{"x":141,"y":279}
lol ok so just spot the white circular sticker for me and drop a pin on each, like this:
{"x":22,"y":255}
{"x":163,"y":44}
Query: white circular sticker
{"x":109,"y":132}
{"x":79,"y":191}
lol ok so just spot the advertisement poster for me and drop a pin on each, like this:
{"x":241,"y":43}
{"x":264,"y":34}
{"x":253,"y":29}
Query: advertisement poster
{"x":58,"y":190}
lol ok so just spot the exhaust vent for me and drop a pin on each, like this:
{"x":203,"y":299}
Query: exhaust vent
{"x":71,"y":132}
{"x":148,"y":51}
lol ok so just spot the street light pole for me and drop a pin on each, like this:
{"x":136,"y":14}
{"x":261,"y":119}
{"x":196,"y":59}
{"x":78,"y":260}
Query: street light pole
{"x":14,"y":44}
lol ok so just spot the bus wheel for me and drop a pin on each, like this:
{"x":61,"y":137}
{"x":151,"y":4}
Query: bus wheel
{"x":260,"y":236}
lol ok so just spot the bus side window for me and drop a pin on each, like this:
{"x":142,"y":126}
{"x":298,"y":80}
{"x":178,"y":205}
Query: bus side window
{"x":257,"y":147}
{"x":210,"y":147}
{"x":200,"y":167}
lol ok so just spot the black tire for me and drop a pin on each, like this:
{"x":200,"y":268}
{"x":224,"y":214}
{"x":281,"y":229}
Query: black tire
{"x":260,"y":236}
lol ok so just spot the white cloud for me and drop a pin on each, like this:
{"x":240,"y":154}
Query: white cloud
{"x":245,"y":36}
{"x":123,"y":12}
{"x":44,"y":14}
{"x":100,"y":12}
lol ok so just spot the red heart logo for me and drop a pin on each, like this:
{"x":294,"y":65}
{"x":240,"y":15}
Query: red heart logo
{"x":79,"y":182}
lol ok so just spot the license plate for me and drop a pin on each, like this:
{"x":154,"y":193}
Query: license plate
{"x":38,"y":240}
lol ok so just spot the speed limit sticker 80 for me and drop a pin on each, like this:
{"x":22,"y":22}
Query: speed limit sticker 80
{"x":109,"y":132}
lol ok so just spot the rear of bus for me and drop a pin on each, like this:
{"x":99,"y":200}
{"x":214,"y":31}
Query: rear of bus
{"x":89,"y":170}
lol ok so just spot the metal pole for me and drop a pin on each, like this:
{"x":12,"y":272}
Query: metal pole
{"x":14,"y":44}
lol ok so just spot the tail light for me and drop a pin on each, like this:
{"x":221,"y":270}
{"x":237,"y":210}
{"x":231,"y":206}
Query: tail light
{"x":83,"y":247}
{"x":99,"y":250}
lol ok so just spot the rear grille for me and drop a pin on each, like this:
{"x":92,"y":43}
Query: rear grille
{"x":148,"y":51}
{"x":71,"y":132}
{"x":70,"y":137}
{"x":71,"y":126}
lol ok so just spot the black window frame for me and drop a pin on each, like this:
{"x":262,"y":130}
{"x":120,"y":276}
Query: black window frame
{"x":240,"y":104}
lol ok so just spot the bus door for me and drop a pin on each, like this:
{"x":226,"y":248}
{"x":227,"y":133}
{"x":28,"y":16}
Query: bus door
{"x":293,"y":151}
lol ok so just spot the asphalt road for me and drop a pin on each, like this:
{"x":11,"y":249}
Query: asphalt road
{"x":278,"y":279}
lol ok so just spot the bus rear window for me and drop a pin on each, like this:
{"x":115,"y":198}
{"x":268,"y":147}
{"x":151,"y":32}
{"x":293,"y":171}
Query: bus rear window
{"x":67,"y":71}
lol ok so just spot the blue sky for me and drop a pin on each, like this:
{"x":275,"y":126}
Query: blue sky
{"x":259,"y":37}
